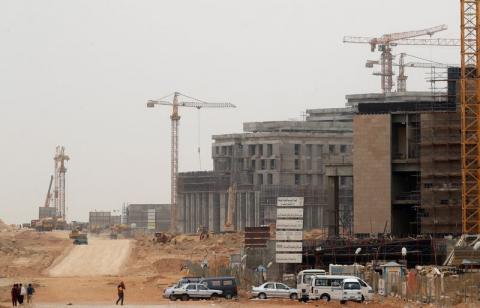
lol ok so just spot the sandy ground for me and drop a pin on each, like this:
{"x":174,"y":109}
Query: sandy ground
{"x":101,"y":257}
{"x":87,"y":276}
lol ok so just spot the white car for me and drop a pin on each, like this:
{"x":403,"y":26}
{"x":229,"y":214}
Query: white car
{"x":329,"y":288}
{"x":274,"y":289}
{"x":194,"y":290}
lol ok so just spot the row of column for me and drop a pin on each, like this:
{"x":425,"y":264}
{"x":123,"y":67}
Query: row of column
{"x":209,"y":210}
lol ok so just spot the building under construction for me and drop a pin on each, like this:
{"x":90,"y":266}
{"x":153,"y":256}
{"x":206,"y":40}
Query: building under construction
{"x":388,"y":163}
{"x":310,"y":158}
{"x":407,"y":150}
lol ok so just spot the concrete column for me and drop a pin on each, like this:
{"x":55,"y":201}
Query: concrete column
{"x":192,"y":213}
{"x":333,"y":206}
{"x":258,"y":210}
{"x":187,"y":212}
{"x":197,"y":210}
{"x":223,"y":212}
{"x":216,"y":213}
{"x":243,"y":216}
{"x":237,"y":212}
{"x":210,"y":212}
{"x":247,"y":209}
{"x":251,"y":207}
{"x":206,"y":213}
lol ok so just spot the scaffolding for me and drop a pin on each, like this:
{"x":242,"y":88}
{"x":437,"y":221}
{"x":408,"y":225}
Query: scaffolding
{"x":439,"y":140}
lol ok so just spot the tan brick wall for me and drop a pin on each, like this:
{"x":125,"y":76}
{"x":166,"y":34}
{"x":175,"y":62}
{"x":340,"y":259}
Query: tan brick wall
{"x":371,"y":173}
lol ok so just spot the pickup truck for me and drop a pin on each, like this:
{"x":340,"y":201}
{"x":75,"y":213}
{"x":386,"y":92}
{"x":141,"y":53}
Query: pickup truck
{"x":194,"y":291}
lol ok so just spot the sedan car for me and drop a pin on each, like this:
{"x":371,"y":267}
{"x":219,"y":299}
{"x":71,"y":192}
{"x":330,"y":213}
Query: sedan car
{"x":274,"y":289}
{"x":194,"y":290}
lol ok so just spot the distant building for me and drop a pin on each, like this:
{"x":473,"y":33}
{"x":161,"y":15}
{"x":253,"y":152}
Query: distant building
{"x":148,"y":217}
{"x":99,"y":220}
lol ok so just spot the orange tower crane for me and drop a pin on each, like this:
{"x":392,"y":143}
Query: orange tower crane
{"x":175,"y":118}
{"x":386,"y":42}
{"x":470,"y":115}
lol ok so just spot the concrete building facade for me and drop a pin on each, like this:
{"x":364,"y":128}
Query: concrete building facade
{"x":406,"y":164}
{"x":310,"y":158}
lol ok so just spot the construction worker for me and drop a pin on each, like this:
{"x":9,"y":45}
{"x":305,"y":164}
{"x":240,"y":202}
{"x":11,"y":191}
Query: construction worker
{"x":121,"y":293}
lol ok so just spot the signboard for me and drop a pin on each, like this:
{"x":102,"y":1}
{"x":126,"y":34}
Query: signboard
{"x":290,"y":224}
{"x":151,"y":225}
{"x":289,"y":230}
{"x":289,"y":235}
{"x":288,"y":258}
{"x":289,"y":213}
{"x":289,"y":246}
{"x":290,"y":201}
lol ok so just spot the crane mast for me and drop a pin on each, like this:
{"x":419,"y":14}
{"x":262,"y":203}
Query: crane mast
{"x":470,"y":115}
{"x":175,"y":119}
{"x":59,"y":198}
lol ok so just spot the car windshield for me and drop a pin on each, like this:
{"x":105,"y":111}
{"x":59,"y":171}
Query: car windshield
{"x":351,"y":286}
{"x":307,"y":278}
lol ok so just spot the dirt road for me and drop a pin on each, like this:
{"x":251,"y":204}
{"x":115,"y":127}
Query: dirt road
{"x":101,"y":257}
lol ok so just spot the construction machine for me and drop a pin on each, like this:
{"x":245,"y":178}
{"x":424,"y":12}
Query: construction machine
{"x":78,"y":237}
{"x":162,"y":237}
{"x":232,"y":192}
{"x":45,"y":224}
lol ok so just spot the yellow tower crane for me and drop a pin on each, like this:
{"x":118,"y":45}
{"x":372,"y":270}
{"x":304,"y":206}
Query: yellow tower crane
{"x":470,"y":114}
{"x":175,"y":118}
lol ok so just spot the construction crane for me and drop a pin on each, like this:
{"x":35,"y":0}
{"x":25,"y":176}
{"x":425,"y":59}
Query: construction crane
{"x":49,"y":195}
{"x":470,"y":115}
{"x":402,"y":64}
{"x":59,"y":176}
{"x":175,"y":118}
{"x":387,"y":41}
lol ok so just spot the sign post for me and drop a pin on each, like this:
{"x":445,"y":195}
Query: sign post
{"x":289,"y":233}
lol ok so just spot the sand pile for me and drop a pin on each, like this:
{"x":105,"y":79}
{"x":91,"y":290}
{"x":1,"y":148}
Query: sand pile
{"x":4,"y":226}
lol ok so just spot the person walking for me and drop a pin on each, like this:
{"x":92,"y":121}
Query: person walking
{"x":23,"y":294}
{"x":14,"y":294}
{"x":121,"y":293}
{"x":30,"y":291}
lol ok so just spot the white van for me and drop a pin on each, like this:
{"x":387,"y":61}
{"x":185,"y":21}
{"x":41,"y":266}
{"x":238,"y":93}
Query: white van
{"x":304,"y":282}
{"x":327,"y":287}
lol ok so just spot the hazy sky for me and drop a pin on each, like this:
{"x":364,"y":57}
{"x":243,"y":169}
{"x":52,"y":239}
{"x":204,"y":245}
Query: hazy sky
{"x":78,"y":74}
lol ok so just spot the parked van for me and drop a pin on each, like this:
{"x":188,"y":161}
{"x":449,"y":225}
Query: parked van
{"x":328,"y":287}
{"x":227,"y":284}
{"x":304,"y":282}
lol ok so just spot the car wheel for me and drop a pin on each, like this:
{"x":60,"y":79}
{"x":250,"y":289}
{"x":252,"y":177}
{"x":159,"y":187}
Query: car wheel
{"x":185,"y":297}
{"x":228,"y":296}
{"x":343,"y":302}
{"x":214,"y":296}
{"x":262,"y":296}
{"x":325,"y":298}
{"x":293,"y":296}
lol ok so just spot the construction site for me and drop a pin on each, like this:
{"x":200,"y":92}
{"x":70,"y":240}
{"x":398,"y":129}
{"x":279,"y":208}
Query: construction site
{"x":384,"y":188}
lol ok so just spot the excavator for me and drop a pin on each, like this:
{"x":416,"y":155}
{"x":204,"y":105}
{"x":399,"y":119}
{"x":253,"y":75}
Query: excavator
{"x":232,"y":192}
